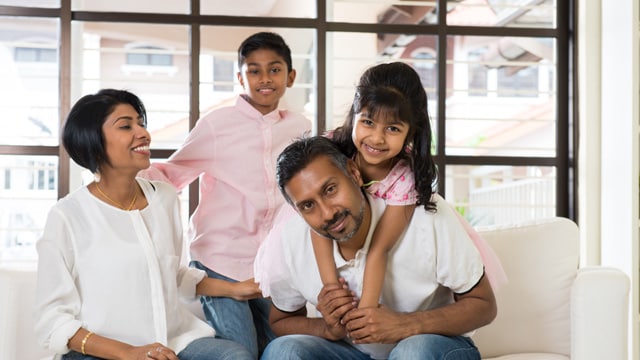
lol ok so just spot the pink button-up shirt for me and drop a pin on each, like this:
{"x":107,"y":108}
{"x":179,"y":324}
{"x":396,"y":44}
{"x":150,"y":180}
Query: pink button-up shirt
{"x":233,"y":150}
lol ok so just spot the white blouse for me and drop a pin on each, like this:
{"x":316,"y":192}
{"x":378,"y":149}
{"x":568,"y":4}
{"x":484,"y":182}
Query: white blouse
{"x":117,"y":273}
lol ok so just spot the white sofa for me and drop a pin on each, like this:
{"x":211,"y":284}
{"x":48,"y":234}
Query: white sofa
{"x":548,"y":310}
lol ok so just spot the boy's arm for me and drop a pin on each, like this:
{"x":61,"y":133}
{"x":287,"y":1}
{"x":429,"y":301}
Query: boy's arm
{"x":392,"y":224}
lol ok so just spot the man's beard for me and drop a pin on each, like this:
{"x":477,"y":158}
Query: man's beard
{"x":358,"y":218}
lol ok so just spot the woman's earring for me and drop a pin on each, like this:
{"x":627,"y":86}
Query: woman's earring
{"x":96,"y":176}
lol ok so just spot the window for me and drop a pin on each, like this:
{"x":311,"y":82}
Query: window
{"x":143,"y":55}
{"x":497,"y":74}
{"x":26,"y":54}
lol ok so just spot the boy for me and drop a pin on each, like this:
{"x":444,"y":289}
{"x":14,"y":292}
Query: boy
{"x":233,"y":151}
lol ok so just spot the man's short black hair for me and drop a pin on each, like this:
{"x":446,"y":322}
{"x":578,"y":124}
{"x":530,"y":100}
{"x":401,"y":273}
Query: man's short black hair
{"x":265,"y":40}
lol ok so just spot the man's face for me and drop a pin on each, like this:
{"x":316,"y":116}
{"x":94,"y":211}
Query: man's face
{"x":329,"y":201}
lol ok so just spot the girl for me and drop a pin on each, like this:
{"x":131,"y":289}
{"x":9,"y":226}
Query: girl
{"x":387,"y":132}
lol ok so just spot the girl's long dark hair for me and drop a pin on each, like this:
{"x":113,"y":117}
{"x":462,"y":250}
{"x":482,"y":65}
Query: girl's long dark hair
{"x":395,"y":88}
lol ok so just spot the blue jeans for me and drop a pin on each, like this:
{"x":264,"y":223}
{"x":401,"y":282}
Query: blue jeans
{"x":245,"y":322}
{"x":207,"y":348}
{"x":424,"y":347}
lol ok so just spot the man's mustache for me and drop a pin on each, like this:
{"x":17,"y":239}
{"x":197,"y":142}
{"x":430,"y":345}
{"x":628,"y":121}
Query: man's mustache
{"x":336,"y":218}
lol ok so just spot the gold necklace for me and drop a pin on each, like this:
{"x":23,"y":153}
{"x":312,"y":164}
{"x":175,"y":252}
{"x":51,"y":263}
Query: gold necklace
{"x":133,"y":201}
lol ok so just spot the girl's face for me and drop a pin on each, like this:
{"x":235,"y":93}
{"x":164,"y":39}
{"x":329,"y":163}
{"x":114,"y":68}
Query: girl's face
{"x":378,"y":138}
{"x":126,"y":140}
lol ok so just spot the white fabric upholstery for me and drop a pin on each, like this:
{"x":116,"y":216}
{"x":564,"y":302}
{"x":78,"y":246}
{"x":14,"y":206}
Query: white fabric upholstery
{"x":17,"y":294}
{"x":549,"y":309}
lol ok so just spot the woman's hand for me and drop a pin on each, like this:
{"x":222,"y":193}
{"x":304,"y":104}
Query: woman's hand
{"x":154,"y":351}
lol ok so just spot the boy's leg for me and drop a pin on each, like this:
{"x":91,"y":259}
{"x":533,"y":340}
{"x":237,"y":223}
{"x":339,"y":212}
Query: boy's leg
{"x":435,"y":347}
{"x":232,"y":319}
{"x":309,"y":347}
{"x":260,"y":309}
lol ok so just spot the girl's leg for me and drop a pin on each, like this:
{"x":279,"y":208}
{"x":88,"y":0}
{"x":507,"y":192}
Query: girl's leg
{"x":232,"y":319}
{"x":210,"y":348}
{"x":323,"y":250}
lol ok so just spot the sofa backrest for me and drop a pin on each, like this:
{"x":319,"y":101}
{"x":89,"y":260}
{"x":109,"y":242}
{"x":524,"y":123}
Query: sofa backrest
{"x":17,"y":294}
{"x":541,"y":261}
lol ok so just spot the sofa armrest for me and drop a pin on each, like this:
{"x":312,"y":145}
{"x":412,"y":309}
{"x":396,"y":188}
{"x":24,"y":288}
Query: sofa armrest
{"x":599,"y":314}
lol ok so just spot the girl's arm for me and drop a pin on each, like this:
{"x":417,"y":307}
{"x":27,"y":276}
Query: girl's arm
{"x":392,"y":224}
{"x":323,"y":250}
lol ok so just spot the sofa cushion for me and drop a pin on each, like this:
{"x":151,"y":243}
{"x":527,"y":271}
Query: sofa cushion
{"x":541,"y":261}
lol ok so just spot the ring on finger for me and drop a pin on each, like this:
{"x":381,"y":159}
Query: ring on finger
{"x":148,"y":354}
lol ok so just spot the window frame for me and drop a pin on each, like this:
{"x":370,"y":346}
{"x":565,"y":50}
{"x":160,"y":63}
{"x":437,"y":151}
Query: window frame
{"x":566,"y":132}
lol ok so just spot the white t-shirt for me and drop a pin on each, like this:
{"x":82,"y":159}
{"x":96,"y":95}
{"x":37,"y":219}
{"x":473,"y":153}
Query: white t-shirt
{"x":434,"y":258}
{"x":116,"y":273}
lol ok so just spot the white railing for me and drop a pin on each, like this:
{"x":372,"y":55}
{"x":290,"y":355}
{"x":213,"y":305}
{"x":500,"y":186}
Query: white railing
{"x":513,"y":202}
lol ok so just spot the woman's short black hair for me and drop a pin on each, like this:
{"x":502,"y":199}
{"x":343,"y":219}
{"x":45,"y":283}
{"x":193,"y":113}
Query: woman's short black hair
{"x":82,"y":135}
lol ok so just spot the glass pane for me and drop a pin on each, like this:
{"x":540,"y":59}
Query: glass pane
{"x":383,"y":11}
{"x":501,"y":96}
{"x":152,"y":61}
{"x":219,"y":65}
{"x":349,"y":54}
{"x":498,"y":195}
{"x":31,"y":3}
{"x":141,"y":6}
{"x":502,"y":13}
{"x":260,"y":8}
{"x":29,"y":87}
{"x":28,"y":189}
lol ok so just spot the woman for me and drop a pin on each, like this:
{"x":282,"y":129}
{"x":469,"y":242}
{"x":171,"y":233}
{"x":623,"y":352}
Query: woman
{"x":109,"y":268}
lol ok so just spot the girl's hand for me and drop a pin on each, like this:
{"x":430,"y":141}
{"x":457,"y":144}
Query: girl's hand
{"x":246,"y":290}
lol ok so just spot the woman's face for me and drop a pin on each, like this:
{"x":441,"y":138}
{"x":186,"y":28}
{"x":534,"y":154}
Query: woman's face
{"x":126,"y":140}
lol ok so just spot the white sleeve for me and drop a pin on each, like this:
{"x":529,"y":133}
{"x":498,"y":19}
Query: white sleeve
{"x":57,"y":301}
{"x":459,"y":265}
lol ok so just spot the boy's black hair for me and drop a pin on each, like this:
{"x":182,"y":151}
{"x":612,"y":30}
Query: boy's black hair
{"x":265,"y":40}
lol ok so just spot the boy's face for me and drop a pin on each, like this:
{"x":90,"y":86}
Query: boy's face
{"x":265,"y":78}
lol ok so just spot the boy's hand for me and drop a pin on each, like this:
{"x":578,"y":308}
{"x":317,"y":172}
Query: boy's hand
{"x":246,"y":290}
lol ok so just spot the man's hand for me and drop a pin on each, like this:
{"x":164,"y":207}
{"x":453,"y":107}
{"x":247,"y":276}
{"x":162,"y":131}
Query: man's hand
{"x":377,"y":325}
{"x":334,"y":301}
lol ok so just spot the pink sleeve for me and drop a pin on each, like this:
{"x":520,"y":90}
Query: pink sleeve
{"x":398,"y":188}
{"x":192,"y":159}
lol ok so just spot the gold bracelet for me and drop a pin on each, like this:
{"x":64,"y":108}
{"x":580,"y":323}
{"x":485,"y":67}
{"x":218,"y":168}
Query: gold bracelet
{"x":84,"y":342}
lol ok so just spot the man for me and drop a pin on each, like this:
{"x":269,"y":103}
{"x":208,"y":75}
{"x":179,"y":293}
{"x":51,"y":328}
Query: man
{"x":434,"y":293}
